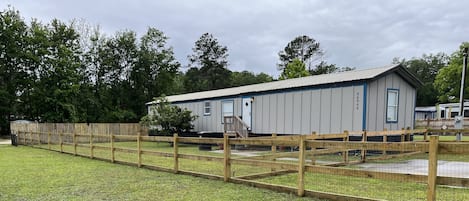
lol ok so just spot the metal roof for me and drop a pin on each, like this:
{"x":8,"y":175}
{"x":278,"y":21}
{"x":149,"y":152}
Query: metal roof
{"x":346,"y":76}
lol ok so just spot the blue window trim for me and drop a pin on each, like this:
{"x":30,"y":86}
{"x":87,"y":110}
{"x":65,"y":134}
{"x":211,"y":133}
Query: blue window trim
{"x":208,"y":114}
{"x":387,"y":104}
{"x":221,"y":106}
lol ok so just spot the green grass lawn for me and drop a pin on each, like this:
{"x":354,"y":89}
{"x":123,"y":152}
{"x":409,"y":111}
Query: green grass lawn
{"x":371,"y":188}
{"x":53,"y":163}
{"x":34,"y":174}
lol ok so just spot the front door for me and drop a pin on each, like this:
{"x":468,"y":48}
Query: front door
{"x":247,"y":108}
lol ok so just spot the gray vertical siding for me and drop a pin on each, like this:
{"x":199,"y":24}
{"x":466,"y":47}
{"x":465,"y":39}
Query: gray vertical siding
{"x":306,"y":112}
{"x":321,"y":110}
{"x":212,"y":122}
{"x":328,"y":110}
{"x":377,"y":102}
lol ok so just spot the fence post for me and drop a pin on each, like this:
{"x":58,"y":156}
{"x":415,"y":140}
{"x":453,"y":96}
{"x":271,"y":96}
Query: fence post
{"x":364,"y":139}
{"x":313,"y":150}
{"x":112,"y":147}
{"x":48,"y":139}
{"x":432,"y":168}
{"x":301,"y":166}
{"x":226,"y":158}
{"x":425,"y":135}
{"x":24,"y":138}
{"x":91,"y":144}
{"x":31,"y":138}
{"x":407,"y":137}
{"x":74,"y":143}
{"x":403,"y":135}
{"x":345,"y":153}
{"x":274,"y":149}
{"x":385,"y":140}
{"x":61,"y":143}
{"x":139,"y":149}
{"x":175,"y":153}
{"x":39,"y":139}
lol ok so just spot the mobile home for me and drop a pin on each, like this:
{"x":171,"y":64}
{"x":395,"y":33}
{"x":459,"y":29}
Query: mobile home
{"x":371,"y":99}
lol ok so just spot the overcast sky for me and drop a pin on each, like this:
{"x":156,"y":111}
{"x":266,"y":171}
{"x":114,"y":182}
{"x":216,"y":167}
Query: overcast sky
{"x":359,"y":34}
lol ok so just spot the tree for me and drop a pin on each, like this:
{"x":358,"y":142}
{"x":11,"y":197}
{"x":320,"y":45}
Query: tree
{"x":170,"y":118}
{"x":211,"y":59}
{"x":154,"y":72}
{"x":247,"y":78}
{"x":54,"y":75}
{"x":304,"y":48}
{"x":295,"y":69}
{"x":194,"y":81}
{"x":425,"y":69}
{"x":13,"y":42}
{"x":447,"y":81}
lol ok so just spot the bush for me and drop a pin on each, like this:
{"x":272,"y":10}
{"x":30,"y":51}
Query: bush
{"x":168,"y":119}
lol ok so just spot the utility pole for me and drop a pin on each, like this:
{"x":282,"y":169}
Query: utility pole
{"x":459,"y":120}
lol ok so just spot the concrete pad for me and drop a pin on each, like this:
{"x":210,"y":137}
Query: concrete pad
{"x":240,"y":153}
{"x":420,"y":167}
{"x":5,"y":141}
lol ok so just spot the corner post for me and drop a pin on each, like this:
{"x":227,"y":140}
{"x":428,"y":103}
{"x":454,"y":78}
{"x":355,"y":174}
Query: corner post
{"x":226,"y":158}
{"x":432,"y":168}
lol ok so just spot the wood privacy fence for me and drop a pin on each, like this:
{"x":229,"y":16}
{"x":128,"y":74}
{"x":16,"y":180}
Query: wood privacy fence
{"x":318,"y":144}
{"x":103,"y":129}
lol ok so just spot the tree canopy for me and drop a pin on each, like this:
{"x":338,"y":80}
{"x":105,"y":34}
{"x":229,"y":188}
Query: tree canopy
{"x":209,"y":64}
{"x":304,"y":48}
{"x":447,"y":81}
{"x":425,"y":69}
{"x":308,"y":51}
{"x":295,"y":69}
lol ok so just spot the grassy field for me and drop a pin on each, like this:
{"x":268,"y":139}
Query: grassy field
{"x":365,"y":187}
{"x":35,"y":174}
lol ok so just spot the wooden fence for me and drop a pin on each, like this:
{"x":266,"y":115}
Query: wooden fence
{"x":97,"y":129}
{"x":439,"y":123}
{"x":318,"y":143}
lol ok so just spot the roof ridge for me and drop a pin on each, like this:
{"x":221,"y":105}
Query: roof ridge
{"x":345,"y":76}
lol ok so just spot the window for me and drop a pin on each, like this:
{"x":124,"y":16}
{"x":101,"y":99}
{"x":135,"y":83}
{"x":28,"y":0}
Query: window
{"x":207,"y":108}
{"x":227,"y":108}
{"x":392,"y":105}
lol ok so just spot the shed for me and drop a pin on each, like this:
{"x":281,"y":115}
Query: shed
{"x":370,"y":99}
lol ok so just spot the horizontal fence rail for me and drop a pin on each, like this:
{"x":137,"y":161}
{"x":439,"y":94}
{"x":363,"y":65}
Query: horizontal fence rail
{"x":307,"y":147}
